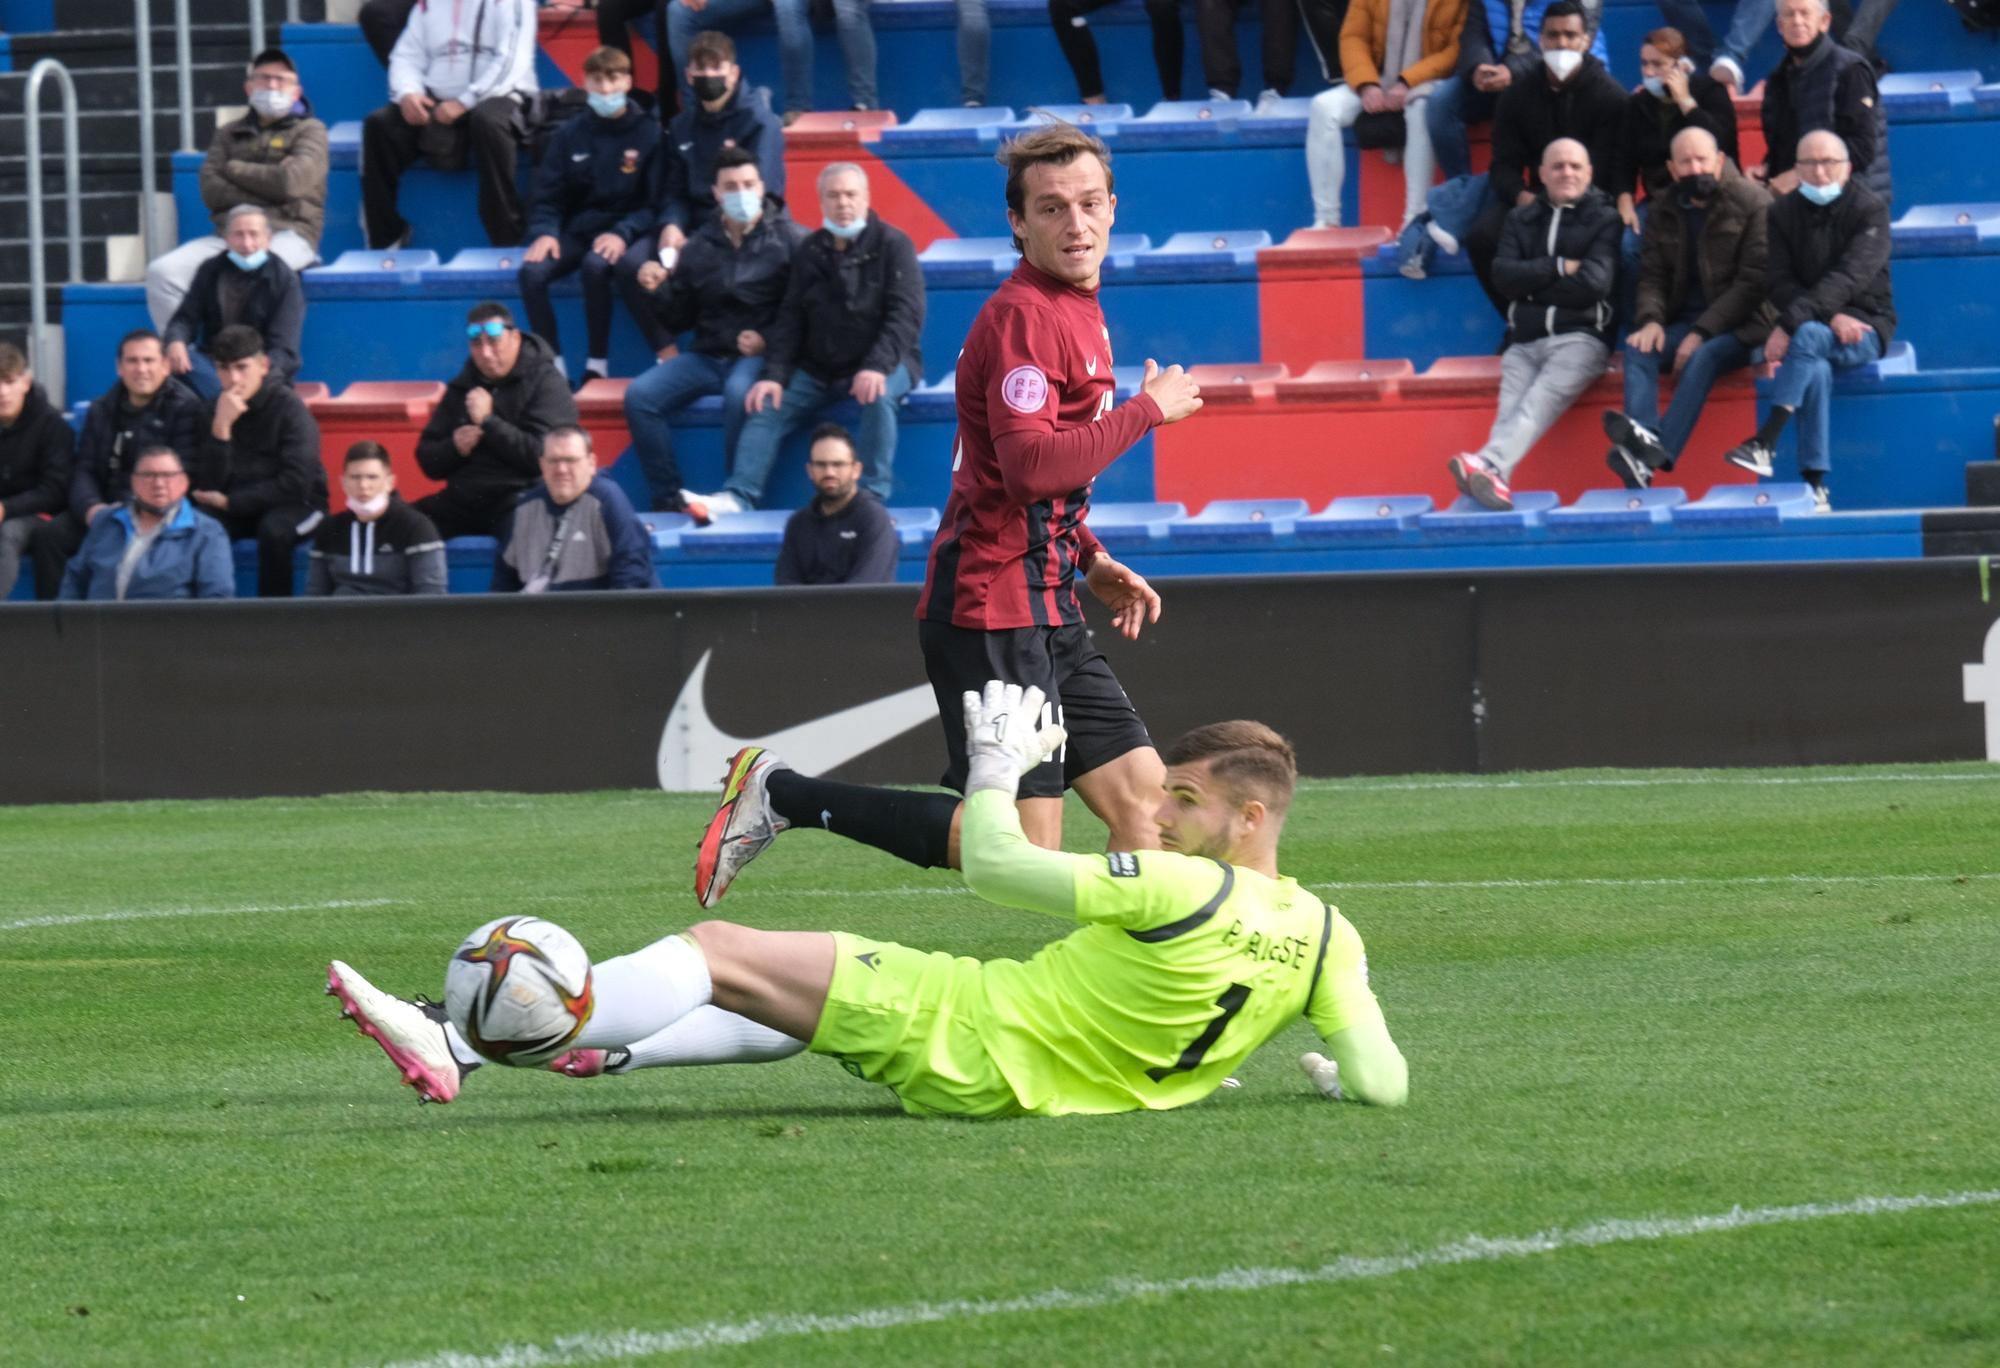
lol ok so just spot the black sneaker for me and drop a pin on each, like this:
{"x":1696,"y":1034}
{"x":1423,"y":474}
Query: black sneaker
{"x":1752,"y":456}
{"x":1631,"y":472}
{"x":1636,"y":438}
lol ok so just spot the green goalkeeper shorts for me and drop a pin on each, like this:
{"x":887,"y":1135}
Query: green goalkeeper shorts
{"x":908,"y":1019}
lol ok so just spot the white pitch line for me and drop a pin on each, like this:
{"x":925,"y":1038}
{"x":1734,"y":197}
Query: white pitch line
{"x":154,"y":913}
{"x":609,"y":1346}
{"x":1671,"y":882}
{"x":1361,"y":786}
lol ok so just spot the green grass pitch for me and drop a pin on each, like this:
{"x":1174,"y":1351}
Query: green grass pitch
{"x":1637,"y":998}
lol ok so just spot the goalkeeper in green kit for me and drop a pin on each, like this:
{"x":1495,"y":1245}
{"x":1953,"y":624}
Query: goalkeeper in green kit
{"x":1186,"y":960}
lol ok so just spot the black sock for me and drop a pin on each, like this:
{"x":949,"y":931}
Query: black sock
{"x":1815,"y":478}
{"x":1774,"y":423}
{"x":909,"y":825}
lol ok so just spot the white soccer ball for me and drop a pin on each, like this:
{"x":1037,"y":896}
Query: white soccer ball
{"x":518,"y":989}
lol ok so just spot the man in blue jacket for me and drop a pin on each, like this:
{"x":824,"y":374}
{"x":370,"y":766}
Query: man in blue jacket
{"x":725,"y":115}
{"x":600,"y":179}
{"x":574,"y":530}
{"x":154,"y":546}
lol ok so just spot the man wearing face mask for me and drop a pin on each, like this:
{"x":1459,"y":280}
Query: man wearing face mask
{"x":1819,"y":84}
{"x":727,"y":287}
{"x":1572,"y":97}
{"x":724,"y":114}
{"x":154,"y":545}
{"x":274,"y":157}
{"x":379,"y":545}
{"x":600,"y":177}
{"x":1827,"y":275}
{"x":247,"y":286}
{"x":1700,"y":309}
{"x":848,"y":328}
{"x":1497,"y":49}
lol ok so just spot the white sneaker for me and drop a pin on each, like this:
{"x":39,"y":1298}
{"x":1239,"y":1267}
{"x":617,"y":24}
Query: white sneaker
{"x":1445,"y":241}
{"x":1726,"y":71}
{"x":410,"y":1033}
{"x":706,"y":508}
{"x":1219,"y":96}
{"x":742,"y":827}
{"x":1752,"y":456}
{"x":1821,"y":503}
{"x":1266,"y":98}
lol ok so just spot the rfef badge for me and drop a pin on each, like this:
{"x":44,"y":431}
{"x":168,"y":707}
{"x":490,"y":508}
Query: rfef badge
{"x":630,"y":166}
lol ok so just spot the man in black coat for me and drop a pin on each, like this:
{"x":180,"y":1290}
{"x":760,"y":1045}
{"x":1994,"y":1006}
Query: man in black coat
{"x":247,"y":285}
{"x":844,"y":536}
{"x":848,"y":328}
{"x":147,"y":407}
{"x":1556,"y":263}
{"x":1826,"y":271}
{"x":35,"y":444}
{"x":1819,"y":84}
{"x":258,"y":472}
{"x":484,"y":439}
{"x":1572,"y":97}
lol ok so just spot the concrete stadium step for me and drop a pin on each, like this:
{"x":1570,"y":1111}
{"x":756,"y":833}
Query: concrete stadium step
{"x":88,"y":14}
{"x":116,"y":88}
{"x":98,"y":131}
{"x":104,"y":212}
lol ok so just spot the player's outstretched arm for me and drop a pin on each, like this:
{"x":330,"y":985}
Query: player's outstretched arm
{"x":1005,"y":738}
{"x":1366,"y":1067}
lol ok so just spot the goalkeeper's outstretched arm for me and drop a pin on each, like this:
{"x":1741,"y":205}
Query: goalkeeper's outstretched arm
{"x":1366,"y":1067}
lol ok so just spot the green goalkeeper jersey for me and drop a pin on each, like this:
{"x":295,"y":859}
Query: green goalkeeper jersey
{"x":1182,"y":967}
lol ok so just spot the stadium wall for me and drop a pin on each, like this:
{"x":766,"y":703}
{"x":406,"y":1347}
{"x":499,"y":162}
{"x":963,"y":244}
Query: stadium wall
{"x":1446,"y":672}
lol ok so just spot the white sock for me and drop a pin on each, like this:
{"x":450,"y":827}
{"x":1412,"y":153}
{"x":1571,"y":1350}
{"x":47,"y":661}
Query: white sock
{"x":562,"y":366}
{"x":598,"y":364}
{"x":709,"y":1035}
{"x":643,"y":993}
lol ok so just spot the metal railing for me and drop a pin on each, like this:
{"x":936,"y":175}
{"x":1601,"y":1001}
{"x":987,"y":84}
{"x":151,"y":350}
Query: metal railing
{"x":149,"y":175}
{"x":184,"y":71}
{"x":50,"y":366}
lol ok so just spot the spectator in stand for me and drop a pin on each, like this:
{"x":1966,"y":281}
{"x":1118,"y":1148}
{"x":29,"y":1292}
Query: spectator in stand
{"x":1821,"y":85}
{"x":248,"y":286}
{"x":274,"y":158}
{"x":382,"y":23}
{"x":844,"y":536}
{"x":461,"y":79}
{"x":574,"y":530}
{"x":1222,"y":68}
{"x":379,"y":545}
{"x":1853,"y":29}
{"x":688,"y":19}
{"x":258,"y":471}
{"x":600,"y":178}
{"x":1672,"y":96}
{"x":1497,"y":49}
{"x":1079,"y":49}
{"x":1827,"y":275}
{"x":1700,"y":304}
{"x":727,"y":287}
{"x":153,"y":545}
{"x":484,"y":438}
{"x":723,"y":113}
{"x":35,"y":443}
{"x":1393,"y":54}
{"x":975,"y":51}
{"x":1556,"y":264}
{"x":852,"y":314}
{"x":146,"y":407}
{"x":1573,"y":97}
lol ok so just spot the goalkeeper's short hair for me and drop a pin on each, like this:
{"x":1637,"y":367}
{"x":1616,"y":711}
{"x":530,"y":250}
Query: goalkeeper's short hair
{"x":1250,"y":757}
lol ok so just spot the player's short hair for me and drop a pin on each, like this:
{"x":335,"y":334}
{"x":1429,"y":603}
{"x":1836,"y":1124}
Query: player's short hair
{"x":1671,"y":42}
{"x":832,"y":169}
{"x":246,"y":211}
{"x":1053,"y":144}
{"x":137,"y":335}
{"x":1559,"y":8}
{"x":237,"y":342}
{"x":834,"y":430}
{"x":365,"y":450}
{"x":731,"y":157}
{"x":1250,"y":757}
{"x":159,"y":449}
{"x":490,"y":308}
{"x":561,"y":430}
{"x":711,"y":47}
{"x":272,"y":56}
{"x":607,"y":61}
{"x":13,"y":361}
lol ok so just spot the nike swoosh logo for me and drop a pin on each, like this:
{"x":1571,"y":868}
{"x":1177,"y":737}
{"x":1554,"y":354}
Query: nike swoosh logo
{"x":579,"y":156}
{"x":1090,"y":366}
{"x":693,"y":749}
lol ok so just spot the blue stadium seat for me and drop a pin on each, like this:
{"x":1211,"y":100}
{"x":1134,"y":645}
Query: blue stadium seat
{"x":1184,"y":121}
{"x":935,"y":402}
{"x":1464,"y":518}
{"x":1735,"y":508}
{"x":1229,"y":255}
{"x":387,"y":273}
{"x":1946,"y":229}
{"x":1365,"y":517}
{"x":499,"y":267}
{"x":1599,"y":511}
{"x":666,"y":528}
{"x":1927,"y":92}
{"x":975,"y":262}
{"x":1126,"y":527}
{"x":1101,"y":119}
{"x":758,"y":533}
{"x":1239,"y":522}
{"x":915,"y":527}
{"x":1283,"y":124}
{"x":935,"y":131}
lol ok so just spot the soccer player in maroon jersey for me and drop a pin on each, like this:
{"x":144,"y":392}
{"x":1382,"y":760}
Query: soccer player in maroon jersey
{"x":1037,"y":423}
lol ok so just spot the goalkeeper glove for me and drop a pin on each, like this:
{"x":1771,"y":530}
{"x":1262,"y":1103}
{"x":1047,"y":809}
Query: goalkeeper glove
{"x":1005,"y":736}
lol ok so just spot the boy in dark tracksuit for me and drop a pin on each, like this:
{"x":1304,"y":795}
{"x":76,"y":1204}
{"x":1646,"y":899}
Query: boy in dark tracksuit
{"x":378,"y":545}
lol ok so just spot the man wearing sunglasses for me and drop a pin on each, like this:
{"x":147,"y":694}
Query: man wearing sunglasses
{"x":484,"y":439}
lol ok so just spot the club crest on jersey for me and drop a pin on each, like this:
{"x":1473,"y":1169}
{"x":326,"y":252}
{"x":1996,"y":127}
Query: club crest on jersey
{"x":1025,"y":389}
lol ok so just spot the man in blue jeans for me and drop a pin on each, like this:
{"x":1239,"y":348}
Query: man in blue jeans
{"x":1700,"y":309}
{"x":726,"y":287}
{"x":849,"y":325}
{"x":1827,"y":274}
{"x":686,"y":18}
{"x":1499,"y":47}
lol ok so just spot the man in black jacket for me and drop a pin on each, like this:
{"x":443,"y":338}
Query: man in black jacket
{"x":247,"y":285}
{"x":724,"y":114}
{"x":844,"y":536}
{"x":728,"y":285}
{"x":146,"y":408}
{"x":35,"y":444}
{"x":1557,"y":260}
{"x":600,"y":178}
{"x":1572,"y":97}
{"x":848,"y":327}
{"x":484,"y":439}
{"x":258,"y":472}
{"x":378,"y":545}
{"x":1827,"y":274}
{"x":1819,"y":84}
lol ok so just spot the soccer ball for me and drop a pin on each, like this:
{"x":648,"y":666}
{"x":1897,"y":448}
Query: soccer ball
{"x":519,"y":990}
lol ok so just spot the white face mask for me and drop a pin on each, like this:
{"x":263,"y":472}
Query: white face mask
{"x":1562,"y":63}
{"x":272,"y":104}
{"x":1655,"y":87}
{"x":373,"y":508}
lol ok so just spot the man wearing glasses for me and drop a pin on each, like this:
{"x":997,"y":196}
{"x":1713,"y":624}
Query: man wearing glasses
{"x":484,"y":439}
{"x":1827,"y":274}
{"x":574,"y":530}
{"x":154,"y":545}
